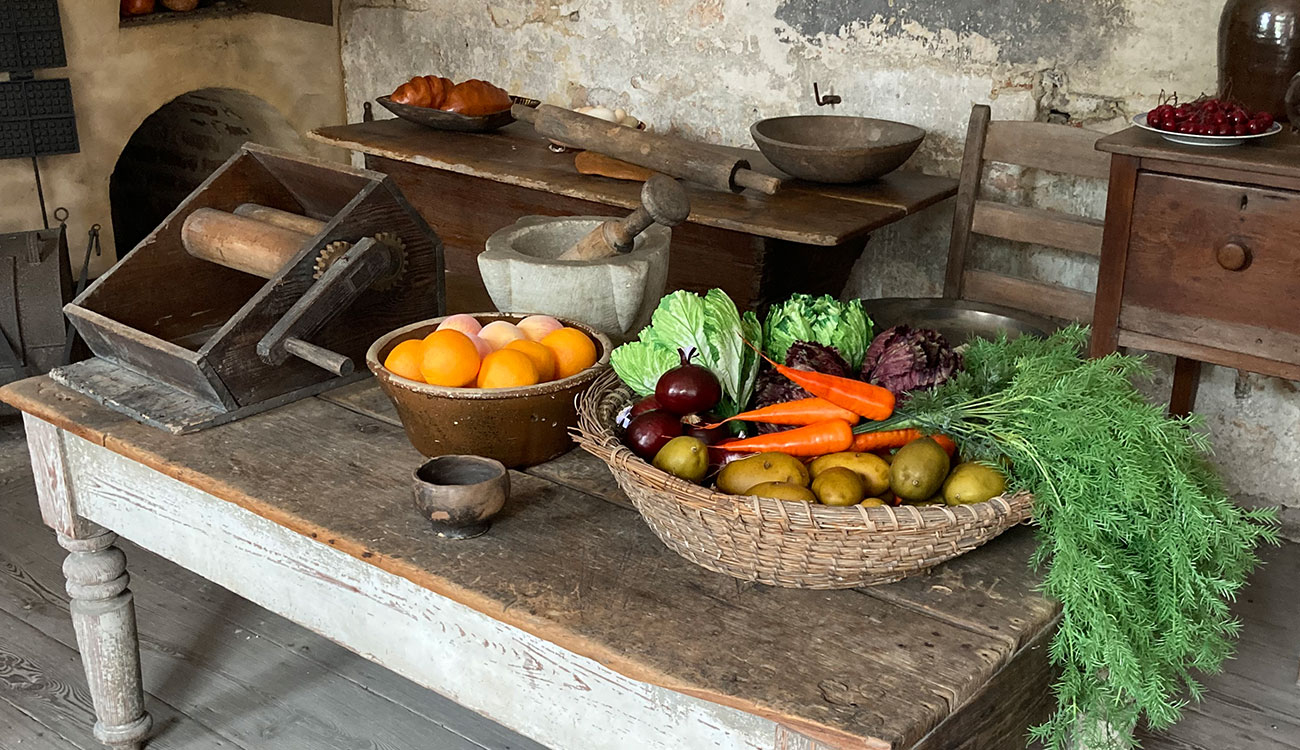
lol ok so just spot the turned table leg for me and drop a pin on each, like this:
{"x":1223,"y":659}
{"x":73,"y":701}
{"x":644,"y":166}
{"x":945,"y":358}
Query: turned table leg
{"x":103,"y":614}
{"x":103,"y":609}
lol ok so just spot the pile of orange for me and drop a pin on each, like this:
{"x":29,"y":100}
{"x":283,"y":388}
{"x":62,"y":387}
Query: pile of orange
{"x":451,"y":358}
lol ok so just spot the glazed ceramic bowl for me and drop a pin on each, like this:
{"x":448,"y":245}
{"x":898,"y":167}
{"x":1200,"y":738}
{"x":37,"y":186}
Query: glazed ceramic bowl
{"x":516,"y":426}
{"x":834,"y":148}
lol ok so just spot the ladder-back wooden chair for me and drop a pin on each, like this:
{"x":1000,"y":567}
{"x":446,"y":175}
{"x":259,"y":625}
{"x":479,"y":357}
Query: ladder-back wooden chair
{"x":1054,"y":148}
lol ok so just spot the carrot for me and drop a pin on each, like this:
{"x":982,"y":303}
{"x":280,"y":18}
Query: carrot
{"x":864,"y":399}
{"x":829,"y":436}
{"x":804,"y":411}
{"x":874,"y":441}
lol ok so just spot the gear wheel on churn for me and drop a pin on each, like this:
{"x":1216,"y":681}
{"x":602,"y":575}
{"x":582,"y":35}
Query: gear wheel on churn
{"x":334,"y":250}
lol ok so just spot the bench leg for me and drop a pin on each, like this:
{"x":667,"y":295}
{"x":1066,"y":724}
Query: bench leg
{"x":103,"y":614}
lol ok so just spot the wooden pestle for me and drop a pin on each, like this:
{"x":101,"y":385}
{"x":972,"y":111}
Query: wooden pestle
{"x":254,"y":239}
{"x":663,"y":201}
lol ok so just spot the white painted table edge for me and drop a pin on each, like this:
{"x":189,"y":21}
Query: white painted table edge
{"x":90,"y":494}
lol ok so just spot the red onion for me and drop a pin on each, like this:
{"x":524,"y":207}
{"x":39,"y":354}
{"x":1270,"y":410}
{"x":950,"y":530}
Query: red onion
{"x":644,"y":405}
{"x":651,"y":431}
{"x":688,"y":388}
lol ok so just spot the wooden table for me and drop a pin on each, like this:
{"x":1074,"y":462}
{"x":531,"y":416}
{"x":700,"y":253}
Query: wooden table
{"x":755,"y":247}
{"x":1201,"y":256}
{"x":568,"y":622}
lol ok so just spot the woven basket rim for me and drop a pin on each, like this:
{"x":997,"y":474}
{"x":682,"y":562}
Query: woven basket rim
{"x":595,"y":434}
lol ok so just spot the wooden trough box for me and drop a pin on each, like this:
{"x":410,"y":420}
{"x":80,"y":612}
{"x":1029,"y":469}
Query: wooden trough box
{"x":264,"y":286}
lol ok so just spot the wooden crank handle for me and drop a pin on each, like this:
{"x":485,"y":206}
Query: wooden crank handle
{"x":333,"y":292}
{"x":320,"y":356}
{"x":763,"y":183}
{"x":523,"y":112}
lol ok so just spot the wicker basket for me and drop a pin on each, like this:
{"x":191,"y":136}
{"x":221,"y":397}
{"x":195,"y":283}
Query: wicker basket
{"x":792,"y":544}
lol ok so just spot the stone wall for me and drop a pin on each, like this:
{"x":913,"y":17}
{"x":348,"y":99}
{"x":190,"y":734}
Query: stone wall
{"x":122,"y":75}
{"x":709,"y":68}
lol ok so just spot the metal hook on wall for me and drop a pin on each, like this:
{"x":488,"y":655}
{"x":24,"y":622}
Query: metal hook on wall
{"x":822,"y":101}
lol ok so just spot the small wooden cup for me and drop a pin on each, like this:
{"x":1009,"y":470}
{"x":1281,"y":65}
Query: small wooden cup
{"x":460,"y":494}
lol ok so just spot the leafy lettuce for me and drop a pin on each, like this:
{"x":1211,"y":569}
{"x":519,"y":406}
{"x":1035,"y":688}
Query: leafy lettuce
{"x":710,"y":325}
{"x":823,"y":320}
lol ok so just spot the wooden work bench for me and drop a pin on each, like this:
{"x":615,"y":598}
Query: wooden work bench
{"x":568,"y":621}
{"x":757,"y":248}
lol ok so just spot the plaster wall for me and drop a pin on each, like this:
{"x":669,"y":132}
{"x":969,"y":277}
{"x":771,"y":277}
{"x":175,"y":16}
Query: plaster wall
{"x":120,"y":76}
{"x":709,"y":68}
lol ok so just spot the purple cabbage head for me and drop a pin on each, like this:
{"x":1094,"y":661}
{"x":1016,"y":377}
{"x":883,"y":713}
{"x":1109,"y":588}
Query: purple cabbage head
{"x":904,"y":359}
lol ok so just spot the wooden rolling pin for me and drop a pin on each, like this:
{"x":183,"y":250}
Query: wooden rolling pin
{"x":254,"y":239}
{"x":697,"y":162}
{"x":282,"y":219}
{"x":663,"y":201}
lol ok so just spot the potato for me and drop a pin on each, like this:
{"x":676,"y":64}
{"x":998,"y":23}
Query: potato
{"x":737,"y":477}
{"x":839,"y":486}
{"x":873,"y":469}
{"x":783,"y":491}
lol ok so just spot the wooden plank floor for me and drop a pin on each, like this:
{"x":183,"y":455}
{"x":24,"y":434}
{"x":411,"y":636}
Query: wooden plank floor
{"x":224,"y":673}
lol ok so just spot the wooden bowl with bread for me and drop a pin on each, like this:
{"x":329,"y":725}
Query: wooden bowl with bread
{"x":469,"y":106}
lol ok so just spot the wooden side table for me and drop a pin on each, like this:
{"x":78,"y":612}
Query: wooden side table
{"x":1201,"y":256}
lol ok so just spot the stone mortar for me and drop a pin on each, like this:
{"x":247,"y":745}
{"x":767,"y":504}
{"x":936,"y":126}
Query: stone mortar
{"x":614,"y":295}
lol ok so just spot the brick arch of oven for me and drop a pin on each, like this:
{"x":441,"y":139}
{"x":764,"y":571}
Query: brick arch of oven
{"x":177,"y":146}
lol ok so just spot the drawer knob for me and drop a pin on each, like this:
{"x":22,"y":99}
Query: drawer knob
{"x":1233,"y":257}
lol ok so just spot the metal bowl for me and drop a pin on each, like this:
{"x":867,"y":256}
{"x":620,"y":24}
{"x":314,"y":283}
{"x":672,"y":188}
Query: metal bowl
{"x":833,"y":148}
{"x":958,"y":320}
{"x":442,"y":120}
{"x":516,"y":426}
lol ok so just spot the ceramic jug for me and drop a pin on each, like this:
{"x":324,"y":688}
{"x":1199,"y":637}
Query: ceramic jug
{"x":1259,"y":52}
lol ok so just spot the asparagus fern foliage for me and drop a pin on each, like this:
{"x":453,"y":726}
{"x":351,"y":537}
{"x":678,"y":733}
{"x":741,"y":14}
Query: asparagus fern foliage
{"x":1141,"y":544}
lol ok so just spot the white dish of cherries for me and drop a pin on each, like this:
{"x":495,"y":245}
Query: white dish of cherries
{"x":1207,"y":122}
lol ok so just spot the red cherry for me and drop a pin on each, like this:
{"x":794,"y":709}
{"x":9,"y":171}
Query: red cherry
{"x":1187,"y":127}
{"x":1223,"y":129}
{"x":1265,"y":118}
{"x":1240,"y":128}
{"x":1255,"y":127}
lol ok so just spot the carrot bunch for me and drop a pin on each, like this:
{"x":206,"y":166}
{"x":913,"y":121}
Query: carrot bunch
{"x":825,"y":421}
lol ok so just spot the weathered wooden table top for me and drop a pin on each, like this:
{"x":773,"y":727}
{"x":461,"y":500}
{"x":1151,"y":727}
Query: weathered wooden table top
{"x":872,"y":668}
{"x":800,"y":212}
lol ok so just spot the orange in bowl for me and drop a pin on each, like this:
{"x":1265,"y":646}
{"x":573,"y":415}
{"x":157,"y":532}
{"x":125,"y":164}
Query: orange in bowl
{"x":573,"y":350}
{"x":507,"y":368}
{"x":450,"y":359}
{"x":542,"y":358}
{"x":405,"y":360}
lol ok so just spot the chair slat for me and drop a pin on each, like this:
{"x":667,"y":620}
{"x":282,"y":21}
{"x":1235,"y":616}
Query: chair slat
{"x":1044,"y":299}
{"x":1041,"y":145}
{"x":1039,"y":226}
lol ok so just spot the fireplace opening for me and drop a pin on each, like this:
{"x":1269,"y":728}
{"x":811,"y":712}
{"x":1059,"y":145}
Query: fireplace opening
{"x":177,"y":147}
